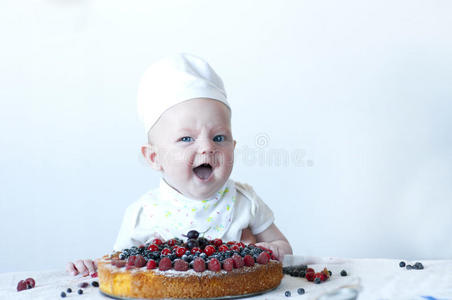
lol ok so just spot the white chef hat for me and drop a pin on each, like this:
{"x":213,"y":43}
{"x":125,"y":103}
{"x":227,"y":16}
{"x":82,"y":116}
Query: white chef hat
{"x":175,"y":79}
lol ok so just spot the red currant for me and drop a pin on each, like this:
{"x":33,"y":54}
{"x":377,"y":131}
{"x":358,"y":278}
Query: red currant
{"x":217,"y":242}
{"x":166,"y":251}
{"x":153,"y":247}
{"x":157,"y":242}
{"x":195,"y":249}
{"x":223,"y":248}
{"x":180,"y":251}
{"x":172,"y":242}
{"x":209,"y":250}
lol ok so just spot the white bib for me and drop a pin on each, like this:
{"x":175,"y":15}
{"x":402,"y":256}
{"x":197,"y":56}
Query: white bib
{"x":170,"y":214}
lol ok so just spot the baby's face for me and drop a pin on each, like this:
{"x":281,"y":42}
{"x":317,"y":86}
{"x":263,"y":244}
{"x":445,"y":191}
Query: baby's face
{"x":194,"y":146}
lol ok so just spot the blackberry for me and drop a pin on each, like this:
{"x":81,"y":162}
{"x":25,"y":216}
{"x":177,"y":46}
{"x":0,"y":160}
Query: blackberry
{"x":418,"y":266}
{"x":63,"y":294}
{"x":192,"y":234}
{"x":95,"y":284}
{"x":80,"y":291}
{"x":402,"y":264}
{"x":287,"y":294}
{"x":192,"y":243}
{"x":300,"y":291}
{"x":343,"y":273}
{"x":172,"y":256}
{"x":202,"y":242}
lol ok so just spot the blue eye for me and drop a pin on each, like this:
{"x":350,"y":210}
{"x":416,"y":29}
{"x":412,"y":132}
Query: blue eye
{"x":219,"y":138}
{"x":186,"y":139}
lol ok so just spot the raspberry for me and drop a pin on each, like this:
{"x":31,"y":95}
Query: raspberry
{"x":209,"y":250}
{"x":228,"y":264}
{"x":217,"y":242}
{"x":153,"y":247}
{"x":131,"y":260}
{"x":166,"y":251}
{"x":195,"y":249}
{"x":180,"y":265}
{"x":223,"y":248}
{"x":230,"y":243}
{"x":214,"y":265}
{"x":165,"y":264}
{"x":309,"y":270}
{"x":249,"y":260}
{"x":140,"y":261}
{"x":310,"y":276}
{"x":238,"y":261}
{"x":157,"y":242}
{"x":263,"y":258}
{"x":30,"y":282}
{"x":120,"y":263}
{"x":151,"y":264}
{"x":199,"y":264}
{"x":241,"y":245}
{"x":180,"y":251}
{"x":21,"y":285}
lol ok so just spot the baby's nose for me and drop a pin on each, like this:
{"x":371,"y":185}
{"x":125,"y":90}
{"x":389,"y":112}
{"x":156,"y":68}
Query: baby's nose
{"x":207,"y":146}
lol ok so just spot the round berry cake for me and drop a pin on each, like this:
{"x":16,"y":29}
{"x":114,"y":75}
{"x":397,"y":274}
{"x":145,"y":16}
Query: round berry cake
{"x":197,"y":268}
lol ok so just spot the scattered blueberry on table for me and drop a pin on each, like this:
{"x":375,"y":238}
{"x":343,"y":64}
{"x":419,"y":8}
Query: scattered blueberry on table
{"x":343,"y":273}
{"x":300,"y":291}
{"x":402,"y":264}
{"x":80,"y":291}
{"x":287,"y":294}
{"x":63,"y":294}
{"x":69,"y":290}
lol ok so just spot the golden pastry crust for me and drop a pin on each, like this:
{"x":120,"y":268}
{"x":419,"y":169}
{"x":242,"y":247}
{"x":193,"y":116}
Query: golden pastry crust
{"x":143,"y":283}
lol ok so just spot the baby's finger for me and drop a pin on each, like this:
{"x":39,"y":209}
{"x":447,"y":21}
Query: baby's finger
{"x":70,"y":268}
{"x":80,"y":265}
{"x":90,"y":265}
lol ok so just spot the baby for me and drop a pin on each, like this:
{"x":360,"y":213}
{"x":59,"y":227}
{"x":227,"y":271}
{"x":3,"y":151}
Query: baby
{"x":187,"y":119}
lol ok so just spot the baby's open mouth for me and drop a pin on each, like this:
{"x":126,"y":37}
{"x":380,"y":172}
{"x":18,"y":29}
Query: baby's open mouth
{"x":203,"y":171}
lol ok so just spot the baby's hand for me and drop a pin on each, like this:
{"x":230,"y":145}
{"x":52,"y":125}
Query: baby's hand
{"x":273,"y":247}
{"x":84,"y":267}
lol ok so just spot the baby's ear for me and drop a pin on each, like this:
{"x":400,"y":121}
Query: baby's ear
{"x":150,"y":154}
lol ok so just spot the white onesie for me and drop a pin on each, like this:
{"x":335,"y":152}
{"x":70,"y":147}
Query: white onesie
{"x":165,"y":213}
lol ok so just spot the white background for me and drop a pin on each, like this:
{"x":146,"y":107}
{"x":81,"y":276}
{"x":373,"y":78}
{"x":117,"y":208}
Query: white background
{"x":355,"y":97}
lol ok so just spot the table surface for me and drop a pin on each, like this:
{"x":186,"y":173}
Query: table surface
{"x":374,"y":278}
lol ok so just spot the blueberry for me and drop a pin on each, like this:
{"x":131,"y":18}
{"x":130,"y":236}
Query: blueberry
{"x":300,"y":291}
{"x":343,"y":273}
{"x":69,"y":290}
{"x":317,"y":280}
{"x":192,"y":234}
{"x":402,"y":264}
{"x":185,"y":257}
{"x":409,"y":267}
{"x":80,"y":291}
{"x":95,"y":284}
{"x":63,"y":294}
{"x":287,"y":293}
{"x":203,"y":255}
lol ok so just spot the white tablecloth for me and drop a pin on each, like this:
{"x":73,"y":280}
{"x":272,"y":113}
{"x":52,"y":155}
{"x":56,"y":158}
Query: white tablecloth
{"x":375,"y":278}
